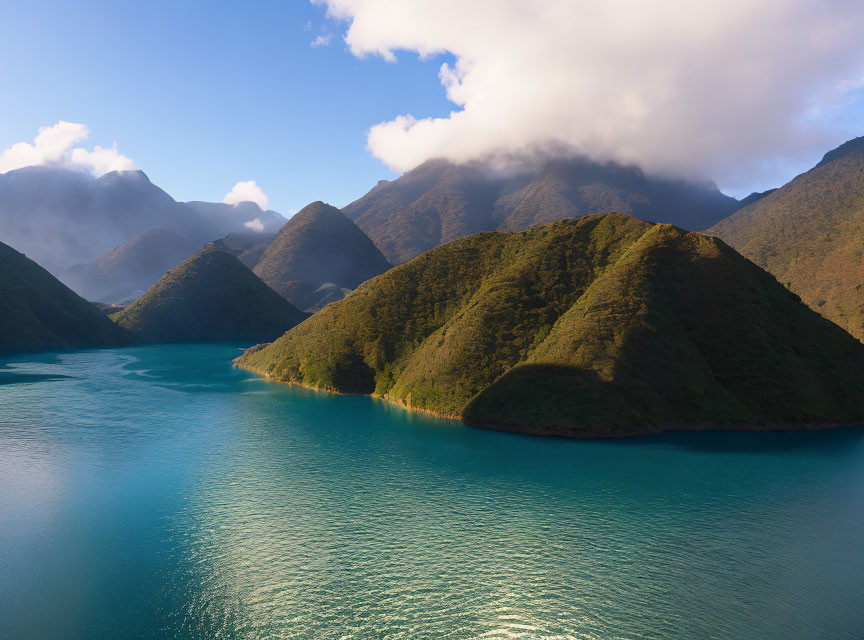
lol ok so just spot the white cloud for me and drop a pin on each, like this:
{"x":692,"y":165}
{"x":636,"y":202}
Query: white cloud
{"x":322,"y":40}
{"x":246,"y":192}
{"x":54,"y":146}
{"x":255,"y":224}
{"x":696,"y":88}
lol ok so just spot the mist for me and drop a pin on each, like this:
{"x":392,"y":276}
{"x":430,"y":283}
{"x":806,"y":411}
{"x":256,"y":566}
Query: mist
{"x":691,"y":89}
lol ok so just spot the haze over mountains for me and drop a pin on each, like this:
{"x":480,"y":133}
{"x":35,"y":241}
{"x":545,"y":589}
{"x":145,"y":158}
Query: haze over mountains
{"x":62,"y":217}
{"x":600,"y":326}
{"x":810,"y":235}
{"x":440,"y":201}
{"x":129,"y":270}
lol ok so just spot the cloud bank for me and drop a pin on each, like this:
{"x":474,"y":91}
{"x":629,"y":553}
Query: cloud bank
{"x":246,"y":192}
{"x":55,"y":146}
{"x":693,"y":88}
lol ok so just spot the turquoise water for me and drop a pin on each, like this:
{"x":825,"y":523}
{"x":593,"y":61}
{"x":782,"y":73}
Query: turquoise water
{"x":158,"y":493}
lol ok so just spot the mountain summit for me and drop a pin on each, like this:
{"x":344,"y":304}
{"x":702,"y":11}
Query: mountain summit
{"x":318,"y":256}
{"x":600,"y":326}
{"x":210,"y":297}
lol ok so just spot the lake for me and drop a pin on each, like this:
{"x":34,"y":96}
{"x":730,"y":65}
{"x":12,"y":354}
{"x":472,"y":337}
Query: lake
{"x":157,"y":492}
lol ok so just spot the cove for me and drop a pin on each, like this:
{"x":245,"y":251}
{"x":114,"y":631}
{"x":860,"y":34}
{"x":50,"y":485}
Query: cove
{"x":157,"y":492}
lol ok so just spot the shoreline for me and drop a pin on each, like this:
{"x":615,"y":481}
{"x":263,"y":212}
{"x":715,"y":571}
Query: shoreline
{"x":614,"y":433}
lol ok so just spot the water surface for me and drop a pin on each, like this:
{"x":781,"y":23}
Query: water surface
{"x":158,"y":493}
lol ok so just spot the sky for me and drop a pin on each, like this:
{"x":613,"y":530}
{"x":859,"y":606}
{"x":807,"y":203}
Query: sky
{"x":294,"y":101}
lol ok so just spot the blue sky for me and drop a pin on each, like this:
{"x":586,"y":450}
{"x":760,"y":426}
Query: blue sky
{"x":202,"y":95}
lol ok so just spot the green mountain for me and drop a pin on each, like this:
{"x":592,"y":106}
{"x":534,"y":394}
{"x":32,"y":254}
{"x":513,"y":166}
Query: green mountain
{"x":318,"y":257}
{"x":601,"y":326}
{"x":211,"y":297}
{"x":129,"y":269}
{"x":38,"y":312}
{"x":810,"y":235}
{"x":439,"y":202}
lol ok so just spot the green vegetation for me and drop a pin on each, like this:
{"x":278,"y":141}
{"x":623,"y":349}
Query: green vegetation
{"x":810,"y":234}
{"x":318,"y":257}
{"x":210,"y":297}
{"x":39,"y":312}
{"x":599,"y":326}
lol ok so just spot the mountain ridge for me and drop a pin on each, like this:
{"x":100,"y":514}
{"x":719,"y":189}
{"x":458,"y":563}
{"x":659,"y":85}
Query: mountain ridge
{"x":319,"y":255}
{"x":439,"y":201}
{"x":600,"y":326}
{"x":209,"y":297}
{"x":810,"y":234}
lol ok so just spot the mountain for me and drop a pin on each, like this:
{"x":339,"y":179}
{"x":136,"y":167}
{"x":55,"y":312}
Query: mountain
{"x":600,"y":326}
{"x":318,"y":257}
{"x":575,"y":188}
{"x":248,"y":246}
{"x":61,"y":217}
{"x":232,"y":218}
{"x":210,"y":297}
{"x":435,"y":203}
{"x":38,"y":312}
{"x":754,"y":197}
{"x":128,"y":270}
{"x":439,"y":201}
{"x":810,"y":235}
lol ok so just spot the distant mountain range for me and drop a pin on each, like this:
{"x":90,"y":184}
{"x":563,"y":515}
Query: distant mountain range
{"x":61,"y":217}
{"x":127,"y":271}
{"x":810,"y":235}
{"x":38,"y":312}
{"x":318,"y":257}
{"x":233,"y":218}
{"x":438,"y":202}
{"x":601,"y":326}
{"x":210,"y":297}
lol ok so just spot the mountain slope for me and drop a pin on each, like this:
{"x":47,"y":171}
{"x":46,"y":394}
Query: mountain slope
{"x":210,"y":297}
{"x":318,"y":256}
{"x":435,"y":203}
{"x":599,"y":326}
{"x":570,"y":189}
{"x":128,"y":270}
{"x":439,"y":202}
{"x":248,"y":246}
{"x":60,"y":217}
{"x":810,"y":235}
{"x":38,"y":312}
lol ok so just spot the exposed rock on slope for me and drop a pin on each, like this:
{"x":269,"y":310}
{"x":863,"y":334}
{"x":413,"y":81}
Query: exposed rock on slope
{"x":210,"y":297}
{"x":599,"y":326}
{"x":810,"y":235}
{"x":38,"y":312}
{"x":318,"y":256}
